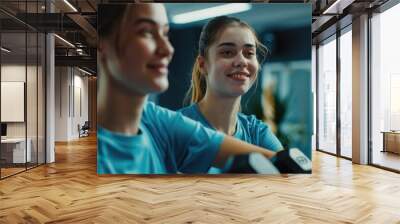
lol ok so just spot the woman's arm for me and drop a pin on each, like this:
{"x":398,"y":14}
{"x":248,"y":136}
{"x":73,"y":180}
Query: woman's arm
{"x":231,"y":146}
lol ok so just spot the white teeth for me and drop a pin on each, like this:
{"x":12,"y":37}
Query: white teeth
{"x":239,"y":76}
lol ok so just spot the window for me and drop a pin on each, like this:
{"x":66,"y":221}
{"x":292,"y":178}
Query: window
{"x":346,"y":93}
{"x":327,"y":96}
{"x":385,"y":87}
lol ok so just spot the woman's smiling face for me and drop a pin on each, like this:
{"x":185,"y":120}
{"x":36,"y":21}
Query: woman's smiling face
{"x":231,"y":63}
{"x":139,"y":52}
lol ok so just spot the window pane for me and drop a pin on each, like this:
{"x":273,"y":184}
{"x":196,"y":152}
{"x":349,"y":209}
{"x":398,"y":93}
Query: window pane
{"x":385,"y":88}
{"x":14,"y":150}
{"x":345,"y":94}
{"x":327,"y":96}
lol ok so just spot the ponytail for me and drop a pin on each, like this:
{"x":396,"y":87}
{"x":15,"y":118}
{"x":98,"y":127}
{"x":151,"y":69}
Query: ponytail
{"x":198,"y":86}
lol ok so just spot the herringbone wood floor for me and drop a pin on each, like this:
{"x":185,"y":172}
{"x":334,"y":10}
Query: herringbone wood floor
{"x":69,"y":191}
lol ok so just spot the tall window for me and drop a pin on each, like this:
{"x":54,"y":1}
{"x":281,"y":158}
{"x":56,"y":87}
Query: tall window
{"x":327,"y":96}
{"x":346,"y":93}
{"x":385,"y":84}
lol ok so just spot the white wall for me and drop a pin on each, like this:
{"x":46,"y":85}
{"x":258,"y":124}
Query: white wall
{"x":33,"y":126}
{"x":10,"y":73}
{"x":71,"y":94}
{"x":80,"y":111}
{"x":16,"y":73}
{"x":61,"y":103}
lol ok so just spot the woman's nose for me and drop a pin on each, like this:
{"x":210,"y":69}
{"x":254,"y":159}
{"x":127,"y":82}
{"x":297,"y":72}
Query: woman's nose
{"x":165,"y":48}
{"x":239,"y":61}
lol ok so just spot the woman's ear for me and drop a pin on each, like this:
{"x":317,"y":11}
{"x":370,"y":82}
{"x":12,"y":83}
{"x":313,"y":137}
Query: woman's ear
{"x":104,"y":49}
{"x":202,"y":65}
{"x":101,"y":47}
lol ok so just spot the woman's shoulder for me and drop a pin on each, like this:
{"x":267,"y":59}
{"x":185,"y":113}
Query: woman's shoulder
{"x":150,"y":106}
{"x":188,"y":109}
{"x":191,"y":111}
{"x":156,"y":115}
{"x":152,"y":109}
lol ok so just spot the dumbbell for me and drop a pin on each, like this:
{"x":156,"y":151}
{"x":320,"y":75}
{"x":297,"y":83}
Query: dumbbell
{"x":252,"y":163}
{"x":285,"y":161}
{"x":292,"y":161}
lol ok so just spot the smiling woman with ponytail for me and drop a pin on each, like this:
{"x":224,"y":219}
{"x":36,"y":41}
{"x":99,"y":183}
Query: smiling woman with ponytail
{"x":225,"y":69}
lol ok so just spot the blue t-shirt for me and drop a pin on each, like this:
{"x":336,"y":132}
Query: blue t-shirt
{"x":248,"y":129}
{"x":167,"y":142}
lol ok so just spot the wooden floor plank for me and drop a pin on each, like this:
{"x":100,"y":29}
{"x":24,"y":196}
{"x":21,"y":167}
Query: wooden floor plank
{"x":69,"y":191}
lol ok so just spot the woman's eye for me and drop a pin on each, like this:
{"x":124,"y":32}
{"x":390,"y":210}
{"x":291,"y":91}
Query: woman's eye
{"x":227,"y":53}
{"x":146,"y":32}
{"x":251,"y":53}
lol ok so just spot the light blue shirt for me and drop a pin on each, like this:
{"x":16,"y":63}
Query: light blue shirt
{"x":248,"y":129}
{"x":167,"y":142}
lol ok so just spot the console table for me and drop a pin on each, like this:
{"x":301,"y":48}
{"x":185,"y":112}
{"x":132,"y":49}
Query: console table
{"x":391,"y":141}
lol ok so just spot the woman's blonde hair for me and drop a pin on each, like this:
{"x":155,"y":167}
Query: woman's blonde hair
{"x":208,"y":36}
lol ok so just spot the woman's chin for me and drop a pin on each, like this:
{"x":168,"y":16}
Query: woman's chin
{"x":239,"y":92}
{"x":160,"y":86}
